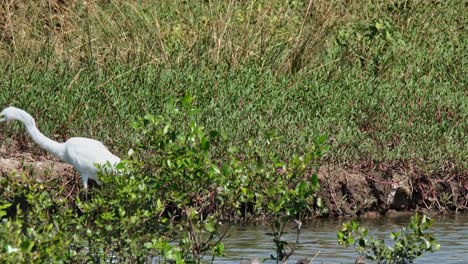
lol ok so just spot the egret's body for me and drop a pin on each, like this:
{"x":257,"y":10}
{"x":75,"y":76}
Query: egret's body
{"x":82,"y":153}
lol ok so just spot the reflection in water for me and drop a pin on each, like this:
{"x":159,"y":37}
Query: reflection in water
{"x":245,"y":242}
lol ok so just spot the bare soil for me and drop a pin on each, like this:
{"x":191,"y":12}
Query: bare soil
{"x":33,"y":163}
{"x":366,"y":190}
{"x":370,"y":190}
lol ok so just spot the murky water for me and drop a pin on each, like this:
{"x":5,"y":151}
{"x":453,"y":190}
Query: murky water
{"x":245,"y":242}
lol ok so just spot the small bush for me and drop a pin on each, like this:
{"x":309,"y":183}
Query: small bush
{"x":408,"y":244}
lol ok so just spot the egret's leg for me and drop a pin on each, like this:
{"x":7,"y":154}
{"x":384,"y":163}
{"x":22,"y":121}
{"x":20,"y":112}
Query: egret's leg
{"x":84,"y":178}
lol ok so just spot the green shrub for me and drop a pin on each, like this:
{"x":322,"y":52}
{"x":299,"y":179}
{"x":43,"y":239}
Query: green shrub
{"x":37,"y":222}
{"x":408,"y":243}
{"x":168,"y":201}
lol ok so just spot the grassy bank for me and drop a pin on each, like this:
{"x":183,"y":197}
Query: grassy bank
{"x":386,"y":81}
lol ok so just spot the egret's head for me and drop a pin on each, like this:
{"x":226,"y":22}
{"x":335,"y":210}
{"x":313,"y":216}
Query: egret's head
{"x":10,"y":113}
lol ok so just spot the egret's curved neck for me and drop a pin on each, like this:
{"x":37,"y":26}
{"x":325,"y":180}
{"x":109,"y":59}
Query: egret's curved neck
{"x":58,"y":149}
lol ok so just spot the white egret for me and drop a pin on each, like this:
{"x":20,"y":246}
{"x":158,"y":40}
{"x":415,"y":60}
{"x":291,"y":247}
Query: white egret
{"x":82,"y":153}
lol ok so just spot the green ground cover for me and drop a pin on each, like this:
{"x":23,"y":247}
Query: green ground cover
{"x":386,"y":81}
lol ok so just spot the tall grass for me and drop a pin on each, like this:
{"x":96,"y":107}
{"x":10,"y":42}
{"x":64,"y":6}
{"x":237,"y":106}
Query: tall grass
{"x":386,"y":80}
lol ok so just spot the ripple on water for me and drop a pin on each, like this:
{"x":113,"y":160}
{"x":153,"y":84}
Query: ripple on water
{"x":247,"y":241}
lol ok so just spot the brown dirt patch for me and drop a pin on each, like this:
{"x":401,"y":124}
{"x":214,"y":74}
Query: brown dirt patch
{"x":32,"y":164}
{"x":389,"y":190}
{"x":41,"y":167}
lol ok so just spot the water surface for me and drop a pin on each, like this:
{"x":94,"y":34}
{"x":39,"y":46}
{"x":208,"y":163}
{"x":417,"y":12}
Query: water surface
{"x":246,"y":241}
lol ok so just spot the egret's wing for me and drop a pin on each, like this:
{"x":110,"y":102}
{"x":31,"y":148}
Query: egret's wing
{"x":84,"y":153}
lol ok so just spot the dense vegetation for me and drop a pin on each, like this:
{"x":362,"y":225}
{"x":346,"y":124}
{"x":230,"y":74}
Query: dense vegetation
{"x":217,"y":100}
{"x":173,"y":203}
{"x":385,"y":80}
{"x":170,"y":189}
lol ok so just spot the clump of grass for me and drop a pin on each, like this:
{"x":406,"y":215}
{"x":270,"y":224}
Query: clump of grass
{"x":279,"y":34}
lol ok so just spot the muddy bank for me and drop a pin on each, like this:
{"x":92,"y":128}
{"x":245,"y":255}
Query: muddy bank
{"x":43,"y":168}
{"x":368,"y":191}
{"x":372,"y":191}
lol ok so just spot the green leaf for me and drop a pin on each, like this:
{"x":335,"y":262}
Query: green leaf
{"x":226,"y":170}
{"x":2,"y":209}
{"x":219,"y":249}
{"x":27,"y":245}
{"x":321,"y":139}
{"x":214,"y":133}
{"x":136,"y":125}
{"x":215,"y":169}
{"x":301,"y":187}
{"x":314,"y":180}
{"x":119,"y":166}
{"x":379,"y":25}
{"x":340,"y":235}
{"x":187,"y":100}
{"x":204,"y":144}
{"x":209,"y":227}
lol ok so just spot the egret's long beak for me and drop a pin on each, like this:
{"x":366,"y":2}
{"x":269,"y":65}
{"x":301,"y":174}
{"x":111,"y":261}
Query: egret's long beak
{"x":2,"y":118}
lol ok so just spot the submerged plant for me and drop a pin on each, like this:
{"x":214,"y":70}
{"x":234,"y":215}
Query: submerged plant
{"x":283,"y":249}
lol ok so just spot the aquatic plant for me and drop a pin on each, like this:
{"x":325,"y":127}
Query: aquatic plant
{"x":408,"y":243}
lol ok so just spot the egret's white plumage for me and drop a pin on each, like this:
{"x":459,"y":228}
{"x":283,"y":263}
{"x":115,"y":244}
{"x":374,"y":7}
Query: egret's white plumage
{"x":81,"y":153}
